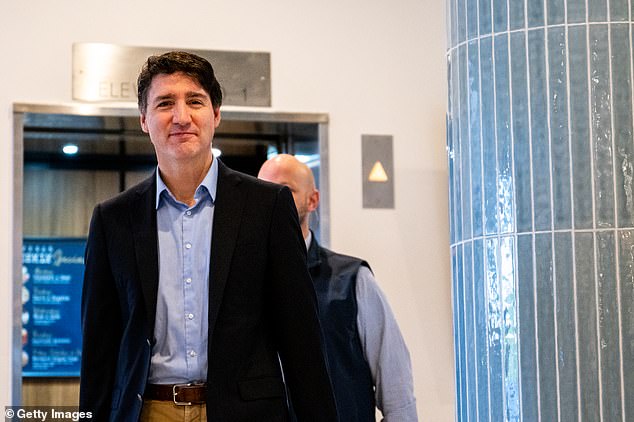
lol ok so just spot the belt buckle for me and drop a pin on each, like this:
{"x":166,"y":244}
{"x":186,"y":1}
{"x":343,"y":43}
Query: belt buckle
{"x":175,"y":393}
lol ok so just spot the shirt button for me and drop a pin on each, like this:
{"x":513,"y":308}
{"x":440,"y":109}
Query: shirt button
{"x":139,"y":397}
{"x":192,"y":353}
{"x":190,"y":316}
{"x":188,"y":280}
{"x":188,"y":245}
{"x":188,"y":212}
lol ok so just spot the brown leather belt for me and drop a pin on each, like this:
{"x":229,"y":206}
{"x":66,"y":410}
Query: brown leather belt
{"x":180,"y":394}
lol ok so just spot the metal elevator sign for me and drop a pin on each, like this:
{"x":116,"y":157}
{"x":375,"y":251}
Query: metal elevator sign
{"x":108,"y":72}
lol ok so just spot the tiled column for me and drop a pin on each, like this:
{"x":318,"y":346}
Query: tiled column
{"x":540,"y":154}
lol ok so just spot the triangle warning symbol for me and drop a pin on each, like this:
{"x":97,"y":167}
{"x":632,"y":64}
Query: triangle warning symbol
{"x":378,"y":173}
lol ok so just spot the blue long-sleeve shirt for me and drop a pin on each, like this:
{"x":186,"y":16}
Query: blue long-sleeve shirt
{"x":179,"y":353}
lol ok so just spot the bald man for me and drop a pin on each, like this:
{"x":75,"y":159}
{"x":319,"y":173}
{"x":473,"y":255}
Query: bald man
{"x":369,"y":362}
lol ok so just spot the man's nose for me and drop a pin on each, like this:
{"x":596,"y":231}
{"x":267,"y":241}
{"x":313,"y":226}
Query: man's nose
{"x":180,"y":113}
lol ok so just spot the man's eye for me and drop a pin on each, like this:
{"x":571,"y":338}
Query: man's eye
{"x":163,"y":104}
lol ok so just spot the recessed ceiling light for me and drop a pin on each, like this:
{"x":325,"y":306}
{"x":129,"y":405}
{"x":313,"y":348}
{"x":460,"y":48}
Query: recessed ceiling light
{"x":70,"y":149}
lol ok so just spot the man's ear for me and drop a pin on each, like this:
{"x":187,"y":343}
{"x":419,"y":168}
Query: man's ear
{"x":143,"y":122}
{"x":313,"y":200}
{"x":216,"y":116}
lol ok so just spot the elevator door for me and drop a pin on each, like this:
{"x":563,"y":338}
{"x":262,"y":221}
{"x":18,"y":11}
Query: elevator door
{"x":73,"y":157}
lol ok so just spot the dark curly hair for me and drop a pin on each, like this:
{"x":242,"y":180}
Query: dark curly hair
{"x":190,"y":64}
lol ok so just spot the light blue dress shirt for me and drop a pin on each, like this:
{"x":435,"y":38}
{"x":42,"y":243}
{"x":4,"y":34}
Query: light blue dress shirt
{"x":179,"y":353}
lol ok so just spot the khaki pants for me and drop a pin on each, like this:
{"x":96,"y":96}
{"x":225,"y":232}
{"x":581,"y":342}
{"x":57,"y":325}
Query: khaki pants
{"x":167,"y":411}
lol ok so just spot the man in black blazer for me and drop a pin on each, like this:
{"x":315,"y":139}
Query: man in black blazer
{"x":196,"y":285}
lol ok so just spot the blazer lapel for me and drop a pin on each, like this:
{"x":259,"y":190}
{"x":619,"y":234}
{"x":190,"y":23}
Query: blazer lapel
{"x":228,"y":206}
{"x":146,"y":244}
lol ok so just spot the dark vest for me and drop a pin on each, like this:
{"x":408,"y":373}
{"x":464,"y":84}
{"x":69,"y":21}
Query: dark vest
{"x":335,"y":278}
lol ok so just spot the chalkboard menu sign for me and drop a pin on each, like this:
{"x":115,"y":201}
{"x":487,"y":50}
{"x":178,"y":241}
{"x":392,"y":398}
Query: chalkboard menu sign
{"x":52,"y":276}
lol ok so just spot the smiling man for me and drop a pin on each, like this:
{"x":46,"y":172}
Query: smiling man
{"x":196,"y":279}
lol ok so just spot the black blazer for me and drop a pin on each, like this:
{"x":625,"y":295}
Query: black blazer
{"x":261,"y":304}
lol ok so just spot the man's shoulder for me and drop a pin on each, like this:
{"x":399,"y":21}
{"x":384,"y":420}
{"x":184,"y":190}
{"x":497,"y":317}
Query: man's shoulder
{"x":340,"y":259}
{"x":238,"y":178}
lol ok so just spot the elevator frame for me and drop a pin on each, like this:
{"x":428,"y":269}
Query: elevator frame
{"x":229,"y":113}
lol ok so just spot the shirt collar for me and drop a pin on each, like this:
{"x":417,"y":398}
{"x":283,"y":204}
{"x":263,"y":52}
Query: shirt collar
{"x":308,"y":239}
{"x":210,"y":183}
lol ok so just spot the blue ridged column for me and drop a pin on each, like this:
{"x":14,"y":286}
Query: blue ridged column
{"x":540,"y":152}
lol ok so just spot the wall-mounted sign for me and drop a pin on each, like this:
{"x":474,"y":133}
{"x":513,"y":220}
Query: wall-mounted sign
{"x":52,"y":278}
{"x":377,"y":162}
{"x":108,"y":72}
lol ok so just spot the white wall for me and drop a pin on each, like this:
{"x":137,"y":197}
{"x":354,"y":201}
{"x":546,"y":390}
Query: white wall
{"x":375,"y":67}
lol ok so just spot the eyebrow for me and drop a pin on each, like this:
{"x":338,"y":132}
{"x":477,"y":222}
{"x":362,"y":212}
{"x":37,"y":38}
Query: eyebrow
{"x":196,"y":95}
